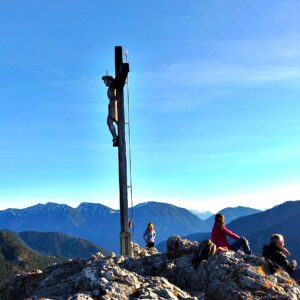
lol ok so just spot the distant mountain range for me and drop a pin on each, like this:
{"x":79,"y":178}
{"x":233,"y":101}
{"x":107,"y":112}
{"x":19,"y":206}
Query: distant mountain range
{"x":168,"y":220}
{"x":232,"y":213}
{"x":202,"y":214}
{"x":258,"y":227}
{"x":99,"y":223}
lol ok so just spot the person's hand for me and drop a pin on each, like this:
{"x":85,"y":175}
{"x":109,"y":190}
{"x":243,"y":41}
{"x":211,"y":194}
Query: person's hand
{"x":222,"y":249}
{"x":293,"y":264}
{"x":285,"y":251}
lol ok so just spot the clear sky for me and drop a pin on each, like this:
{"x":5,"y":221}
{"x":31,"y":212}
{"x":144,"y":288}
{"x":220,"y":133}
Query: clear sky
{"x":214,"y":98}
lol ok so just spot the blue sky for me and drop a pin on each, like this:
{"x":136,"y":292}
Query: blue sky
{"x":214,"y":97}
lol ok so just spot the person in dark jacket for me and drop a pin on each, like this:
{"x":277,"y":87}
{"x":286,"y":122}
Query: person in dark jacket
{"x":277,"y":253}
{"x":219,"y":233}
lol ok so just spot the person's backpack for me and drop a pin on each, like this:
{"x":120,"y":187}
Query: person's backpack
{"x":206,"y":249}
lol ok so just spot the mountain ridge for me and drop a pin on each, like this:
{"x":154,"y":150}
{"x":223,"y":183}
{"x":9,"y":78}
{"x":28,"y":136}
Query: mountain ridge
{"x":232,"y":213}
{"x":99,"y":224}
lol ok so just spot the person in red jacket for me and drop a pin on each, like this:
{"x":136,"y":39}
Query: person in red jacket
{"x":219,"y":233}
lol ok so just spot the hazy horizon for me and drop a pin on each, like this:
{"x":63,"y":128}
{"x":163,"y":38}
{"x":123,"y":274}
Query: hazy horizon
{"x":75,"y":205}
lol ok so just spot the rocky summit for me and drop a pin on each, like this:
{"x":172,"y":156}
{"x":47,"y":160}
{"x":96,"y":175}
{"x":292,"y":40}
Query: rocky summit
{"x":152,"y":275}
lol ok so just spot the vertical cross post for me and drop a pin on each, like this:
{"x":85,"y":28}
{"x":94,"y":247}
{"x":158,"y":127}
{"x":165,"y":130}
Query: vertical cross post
{"x":121,"y":71}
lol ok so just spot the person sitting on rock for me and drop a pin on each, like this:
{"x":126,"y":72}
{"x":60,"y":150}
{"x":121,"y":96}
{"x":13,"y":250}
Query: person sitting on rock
{"x":219,"y":233}
{"x":277,"y":253}
{"x":149,"y":236}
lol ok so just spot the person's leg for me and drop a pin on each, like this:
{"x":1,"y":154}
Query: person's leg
{"x":150,"y":245}
{"x":112,"y":129}
{"x":241,"y":243}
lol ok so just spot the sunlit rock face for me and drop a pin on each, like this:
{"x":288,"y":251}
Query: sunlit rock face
{"x":152,"y":275}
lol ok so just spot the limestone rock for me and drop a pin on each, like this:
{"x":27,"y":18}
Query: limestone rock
{"x":138,"y":252}
{"x":227,"y":275}
{"x":177,"y":246}
{"x":152,"y":275}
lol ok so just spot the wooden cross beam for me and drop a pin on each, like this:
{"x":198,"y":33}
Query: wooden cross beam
{"x":121,"y":69}
{"x":121,"y":72}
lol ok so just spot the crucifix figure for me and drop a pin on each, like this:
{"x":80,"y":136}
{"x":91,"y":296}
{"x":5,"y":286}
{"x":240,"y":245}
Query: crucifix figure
{"x":112,"y":117}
